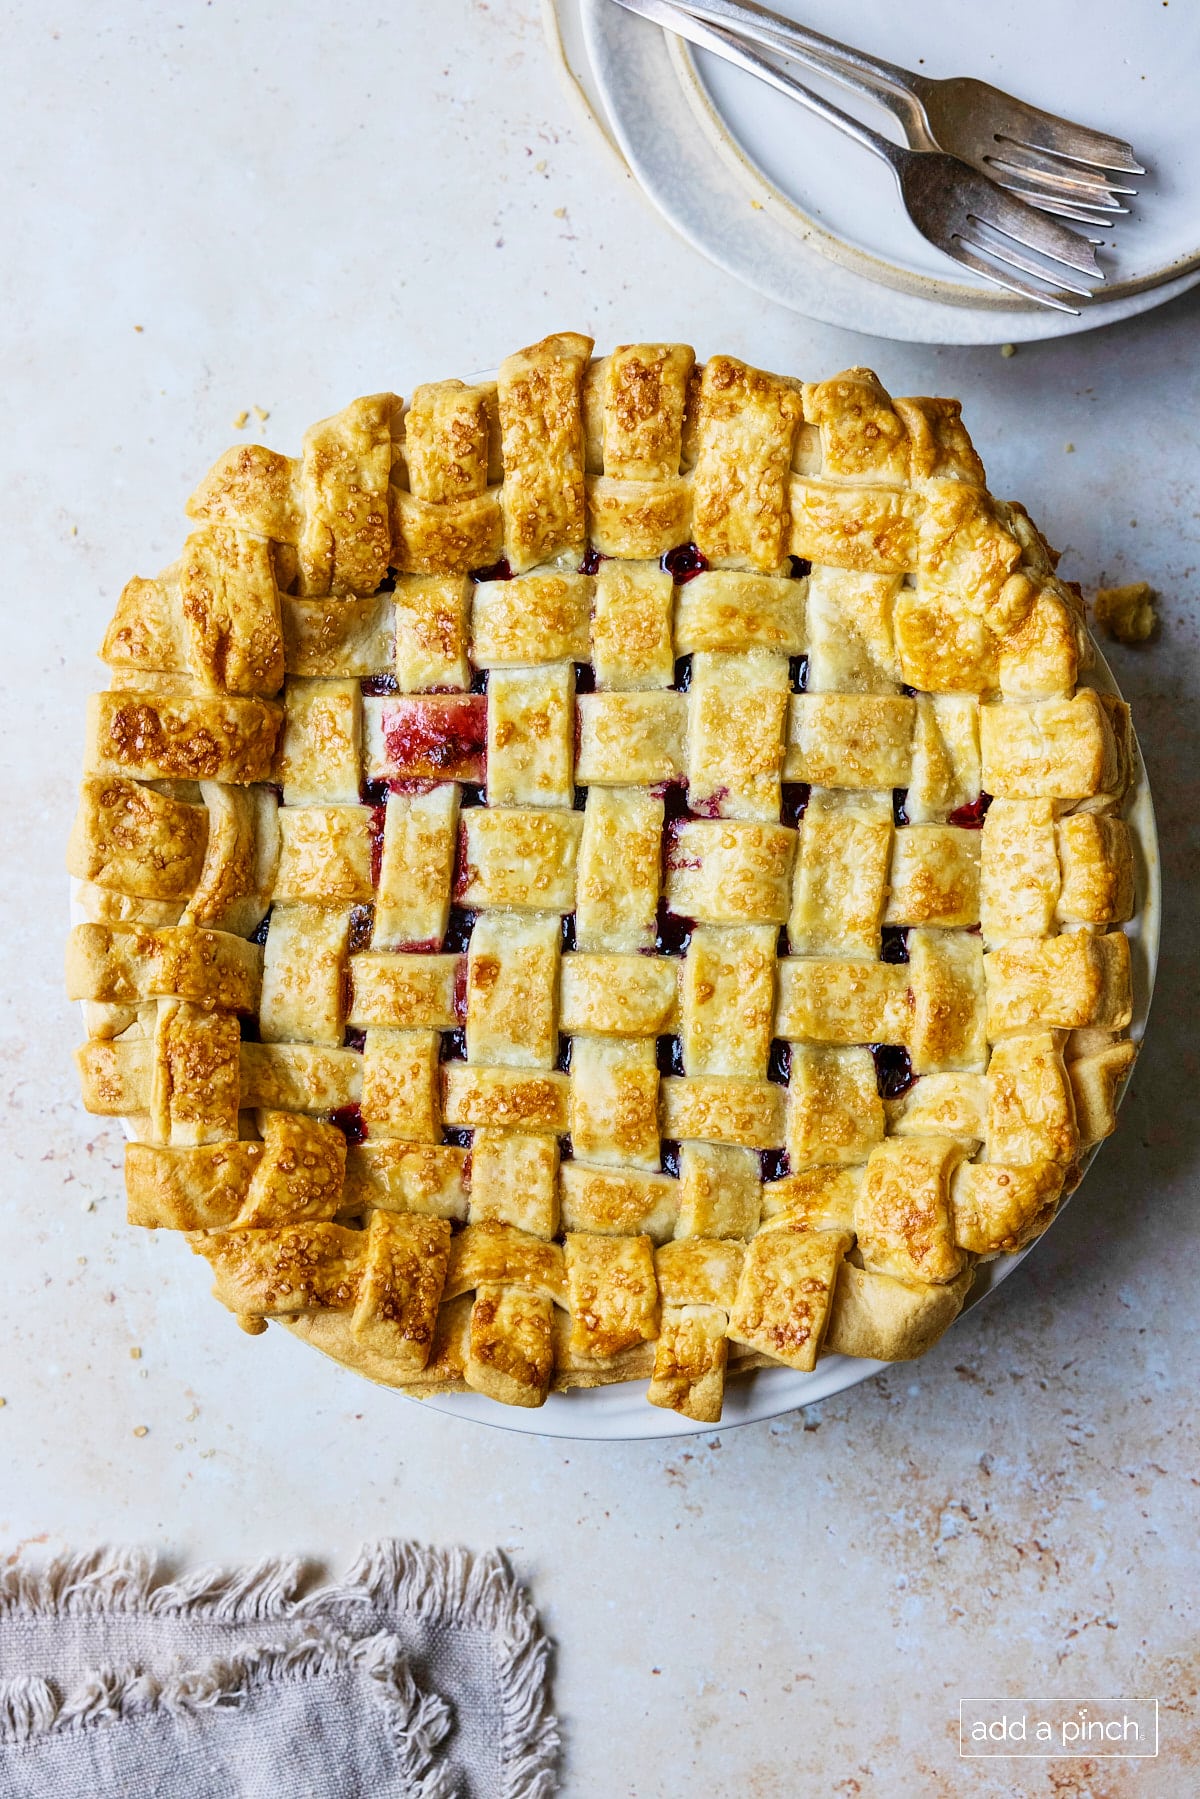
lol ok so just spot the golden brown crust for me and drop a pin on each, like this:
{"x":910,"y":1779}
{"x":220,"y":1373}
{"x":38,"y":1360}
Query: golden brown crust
{"x":746,"y":424}
{"x":903,"y":1219}
{"x":691,"y":1353}
{"x":182,"y":738}
{"x":541,"y":429}
{"x":890,"y":1320}
{"x":783,"y":1293}
{"x":136,"y":841}
{"x":476,"y":758}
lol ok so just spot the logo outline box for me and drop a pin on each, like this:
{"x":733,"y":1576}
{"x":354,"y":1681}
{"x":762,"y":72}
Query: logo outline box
{"x":1088,"y":1753}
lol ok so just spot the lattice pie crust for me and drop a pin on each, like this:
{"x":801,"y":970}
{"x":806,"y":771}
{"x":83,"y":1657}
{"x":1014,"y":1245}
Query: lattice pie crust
{"x":603,"y":874}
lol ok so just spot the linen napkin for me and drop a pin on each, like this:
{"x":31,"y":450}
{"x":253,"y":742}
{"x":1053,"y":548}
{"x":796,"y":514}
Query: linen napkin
{"x":424,"y":1671}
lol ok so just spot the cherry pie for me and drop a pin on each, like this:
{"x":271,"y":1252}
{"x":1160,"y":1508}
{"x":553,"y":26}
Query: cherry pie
{"x":605,"y":874}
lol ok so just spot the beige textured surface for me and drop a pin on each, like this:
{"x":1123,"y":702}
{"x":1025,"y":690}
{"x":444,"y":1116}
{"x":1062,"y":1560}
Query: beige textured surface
{"x":1014,"y":1515}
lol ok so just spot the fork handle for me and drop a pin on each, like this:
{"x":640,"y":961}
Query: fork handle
{"x":897,"y":89}
{"x":685,"y":23}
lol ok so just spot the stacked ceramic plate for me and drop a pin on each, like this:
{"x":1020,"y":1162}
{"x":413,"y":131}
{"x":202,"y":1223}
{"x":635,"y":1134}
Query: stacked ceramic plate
{"x":812,"y":220}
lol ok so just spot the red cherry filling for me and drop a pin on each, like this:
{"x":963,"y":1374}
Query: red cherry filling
{"x":436,"y":736}
{"x":376,"y":827}
{"x":970,"y":818}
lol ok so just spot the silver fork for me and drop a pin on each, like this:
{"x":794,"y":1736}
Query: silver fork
{"x":1047,"y":161}
{"x":958,"y":210}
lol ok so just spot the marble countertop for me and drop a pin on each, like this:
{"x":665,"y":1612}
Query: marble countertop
{"x":213,"y":209}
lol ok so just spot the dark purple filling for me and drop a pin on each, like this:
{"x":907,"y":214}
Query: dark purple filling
{"x":453,"y":1047}
{"x":683,"y":674}
{"x":585,"y":678}
{"x":379,"y":684}
{"x":349,"y":1120}
{"x":563,"y":1059}
{"x":895,"y":944}
{"x":264,"y":925}
{"x":458,"y":931}
{"x":773,"y":1164}
{"x":669,"y":1156}
{"x":568,"y":931}
{"x":591,"y":562}
{"x":684,"y":563}
{"x":354,"y":1039}
{"x":795,"y":802}
{"x":674,"y":796}
{"x":899,"y":796}
{"x":799,"y":566}
{"x":798,"y":673}
{"x":779,"y":1068}
{"x":670,"y":1055}
{"x":496,"y":571}
{"x":893,"y":1070}
{"x":457,"y":1137}
{"x":672,"y":933}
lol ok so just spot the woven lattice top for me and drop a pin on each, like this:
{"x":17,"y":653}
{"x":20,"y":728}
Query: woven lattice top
{"x":602,"y":874}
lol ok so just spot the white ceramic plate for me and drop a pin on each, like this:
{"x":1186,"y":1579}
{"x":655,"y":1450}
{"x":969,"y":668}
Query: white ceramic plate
{"x":621,"y":1412}
{"x":811,"y":220}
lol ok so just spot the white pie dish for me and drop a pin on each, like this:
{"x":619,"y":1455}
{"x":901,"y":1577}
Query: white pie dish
{"x":773,"y":197}
{"x":619,"y":1412}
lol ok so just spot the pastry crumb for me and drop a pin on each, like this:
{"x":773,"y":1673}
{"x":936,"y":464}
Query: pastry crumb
{"x":1008,"y":349}
{"x":141,"y":1430}
{"x":135,"y":1354}
{"x":3,"y":1403}
{"x":139,"y":327}
{"x":560,"y":212}
{"x":261,"y":414}
{"x":1069,"y":449}
{"x":239,"y":423}
{"x":1127,"y":613}
{"x":74,"y":530}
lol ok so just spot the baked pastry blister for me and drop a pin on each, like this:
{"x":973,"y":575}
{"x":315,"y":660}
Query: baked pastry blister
{"x":610,"y":874}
